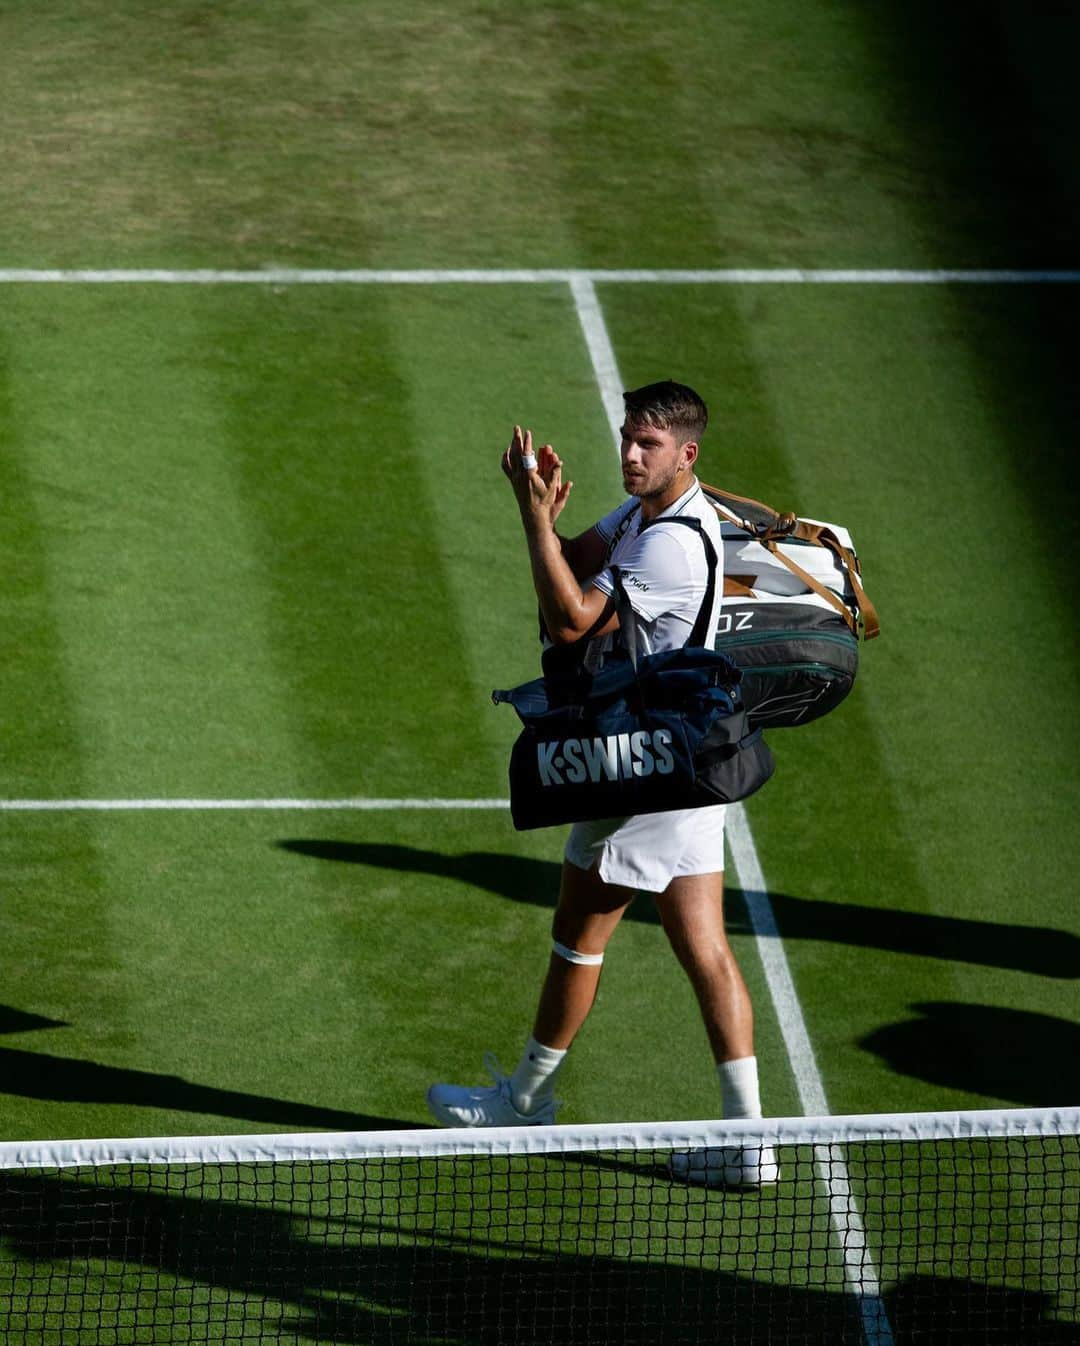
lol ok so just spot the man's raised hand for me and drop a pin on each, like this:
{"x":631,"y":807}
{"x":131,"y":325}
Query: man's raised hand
{"x":536,"y":479}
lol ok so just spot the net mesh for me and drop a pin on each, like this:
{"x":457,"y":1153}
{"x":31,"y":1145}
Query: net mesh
{"x":865,"y":1237}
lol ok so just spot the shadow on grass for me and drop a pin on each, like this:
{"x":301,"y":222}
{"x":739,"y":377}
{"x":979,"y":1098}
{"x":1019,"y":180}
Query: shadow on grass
{"x":361,"y":1278}
{"x":981,"y":1049}
{"x":514,"y":876}
{"x":18,"y":1021}
{"x":66,"y":1079}
{"x":1039,"y":949}
{"x":1018,"y":948}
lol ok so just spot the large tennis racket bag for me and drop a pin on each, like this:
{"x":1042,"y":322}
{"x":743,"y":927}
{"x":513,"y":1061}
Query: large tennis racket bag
{"x":792,"y":611}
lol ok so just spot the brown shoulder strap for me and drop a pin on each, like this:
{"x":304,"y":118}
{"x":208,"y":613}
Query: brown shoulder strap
{"x":811,"y":583}
{"x":767,"y":524}
{"x":825,"y":537}
{"x":742,"y":510}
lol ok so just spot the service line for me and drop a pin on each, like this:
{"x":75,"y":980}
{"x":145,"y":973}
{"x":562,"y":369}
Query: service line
{"x":532,"y":276}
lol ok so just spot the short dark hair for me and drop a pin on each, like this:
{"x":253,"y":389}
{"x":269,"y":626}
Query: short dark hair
{"x":668,"y":406}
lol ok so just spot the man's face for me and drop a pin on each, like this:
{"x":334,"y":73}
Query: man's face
{"x":651,"y":459}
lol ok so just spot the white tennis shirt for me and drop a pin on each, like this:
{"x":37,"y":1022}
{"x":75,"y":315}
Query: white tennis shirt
{"x":664,"y":571}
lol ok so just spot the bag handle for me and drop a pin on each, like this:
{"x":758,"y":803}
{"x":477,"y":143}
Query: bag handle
{"x":625,"y":609}
{"x":789,"y":525}
{"x":816,"y":532}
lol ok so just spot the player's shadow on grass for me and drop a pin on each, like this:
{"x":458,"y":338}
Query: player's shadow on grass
{"x":350,"y":1274}
{"x":1018,"y":948}
{"x":68,"y":1080}
{"x":1026,"y":1058}
{"x":514,"y":876}
{"x":1021,"y":948}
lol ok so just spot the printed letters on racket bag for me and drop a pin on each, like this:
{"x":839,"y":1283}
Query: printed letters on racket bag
{"x":666,"y":731}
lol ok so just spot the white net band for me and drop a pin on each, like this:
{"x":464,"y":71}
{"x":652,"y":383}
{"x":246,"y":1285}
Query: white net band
{"x":540,"y":1140}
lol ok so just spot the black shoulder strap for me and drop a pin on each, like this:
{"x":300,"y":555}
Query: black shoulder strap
{"x":701,"y":623}
{"x":623,"y":525}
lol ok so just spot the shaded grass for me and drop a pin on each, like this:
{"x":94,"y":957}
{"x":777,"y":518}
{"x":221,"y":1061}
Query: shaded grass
{"x":483,"y":133}
{"x":503,"y":1250}
{"x":594,"y":1248}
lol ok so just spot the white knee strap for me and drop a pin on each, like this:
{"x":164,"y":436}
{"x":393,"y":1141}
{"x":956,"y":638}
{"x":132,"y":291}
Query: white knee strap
{"x":572,"y":955}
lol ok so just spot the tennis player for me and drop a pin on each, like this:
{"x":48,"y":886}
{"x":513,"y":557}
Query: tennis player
{"x":676,"y":856}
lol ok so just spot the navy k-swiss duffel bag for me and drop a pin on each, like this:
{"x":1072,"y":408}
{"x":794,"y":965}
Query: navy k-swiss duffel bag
{"x":669,"y":735}
{"x":641,"y":735}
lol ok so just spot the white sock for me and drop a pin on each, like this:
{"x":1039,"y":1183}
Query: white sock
{"x":533,"y":1081}
{"x":739,"y":1091}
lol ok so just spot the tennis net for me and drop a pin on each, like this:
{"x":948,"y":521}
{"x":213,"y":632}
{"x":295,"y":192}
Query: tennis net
{"x":931,"y":1227}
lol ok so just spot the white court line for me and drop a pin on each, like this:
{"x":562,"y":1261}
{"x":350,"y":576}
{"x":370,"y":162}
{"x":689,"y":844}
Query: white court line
{"x":591,"y":317}
{"x":859,"y":1269}
{"x":126,"y":805}
{"x":534,"y":276}
{"x":770,"y":948}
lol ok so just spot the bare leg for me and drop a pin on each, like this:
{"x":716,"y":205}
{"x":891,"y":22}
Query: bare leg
{"x":589,"y":910}
{"x":692,"y":912}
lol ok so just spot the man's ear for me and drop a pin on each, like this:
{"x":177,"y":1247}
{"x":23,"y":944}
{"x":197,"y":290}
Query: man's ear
{"x":690,"y":453}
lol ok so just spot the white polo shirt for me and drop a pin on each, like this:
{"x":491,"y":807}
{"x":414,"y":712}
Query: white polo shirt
{"x":664,"y":570}
{"x":665,"y":573}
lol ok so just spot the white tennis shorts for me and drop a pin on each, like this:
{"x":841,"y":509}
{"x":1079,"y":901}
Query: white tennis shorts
{"x":648,"y":850}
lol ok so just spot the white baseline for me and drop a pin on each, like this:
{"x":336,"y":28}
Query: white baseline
{"x":535,"y":276}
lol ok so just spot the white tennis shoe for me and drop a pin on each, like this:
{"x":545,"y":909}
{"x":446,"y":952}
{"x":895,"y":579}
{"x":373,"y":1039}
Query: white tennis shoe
{"x":485,"y":1105}
{"x":726,"y":1166}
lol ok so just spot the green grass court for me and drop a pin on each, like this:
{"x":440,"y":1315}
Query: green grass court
{"x":261,"y":550}
{"x":256,"y":543}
